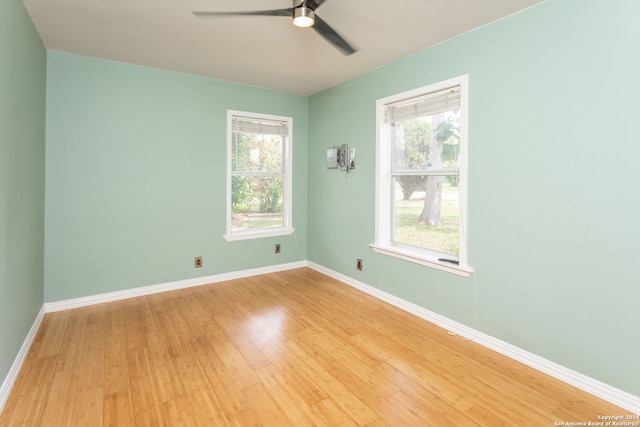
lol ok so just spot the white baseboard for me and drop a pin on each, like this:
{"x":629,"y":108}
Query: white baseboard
{"x":11,"y":377}
{"x":164,"y":287}
{"x":597,"y":388}
{"x":590,"y":385}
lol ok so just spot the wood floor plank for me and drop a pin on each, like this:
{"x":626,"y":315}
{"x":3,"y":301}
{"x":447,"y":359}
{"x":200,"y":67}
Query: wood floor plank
{"x":328,"y":412}
{"x":286,"y":396}
{"x":293,"y":348}
{"x":346,"y":400}
{"x":30,"y":392}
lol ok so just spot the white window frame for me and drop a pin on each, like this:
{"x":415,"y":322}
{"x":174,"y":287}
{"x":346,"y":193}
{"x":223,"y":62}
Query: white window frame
{"x":384,"y":182}
{"x":287,"y":202}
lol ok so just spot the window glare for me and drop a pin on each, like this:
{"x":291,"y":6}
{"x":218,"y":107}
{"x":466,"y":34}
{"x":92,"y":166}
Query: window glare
{"x":253,"y":152}
{"x":427,"y":142}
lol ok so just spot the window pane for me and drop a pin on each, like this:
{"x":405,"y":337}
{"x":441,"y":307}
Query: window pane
{"x":428,"y":215}
{"x":427,"y":142}
{"x":256,"y":202}
{"x":257,"y":153}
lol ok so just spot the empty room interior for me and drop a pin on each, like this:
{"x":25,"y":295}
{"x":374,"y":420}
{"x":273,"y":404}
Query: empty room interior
{"x":409,"y":213}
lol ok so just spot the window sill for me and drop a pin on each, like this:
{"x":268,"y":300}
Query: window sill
{"x":412,"y":256}
{"x":258,"y":234}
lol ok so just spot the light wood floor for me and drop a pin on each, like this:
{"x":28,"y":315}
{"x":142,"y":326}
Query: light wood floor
{"x":286,"y":349}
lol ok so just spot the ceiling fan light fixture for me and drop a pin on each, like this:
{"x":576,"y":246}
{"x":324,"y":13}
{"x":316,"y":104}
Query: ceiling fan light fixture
{"x":303,"y":17}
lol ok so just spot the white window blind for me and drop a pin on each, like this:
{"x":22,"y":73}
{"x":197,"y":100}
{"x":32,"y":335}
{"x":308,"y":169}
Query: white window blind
{"x":261,"y":126}
{"x":425,"y":105}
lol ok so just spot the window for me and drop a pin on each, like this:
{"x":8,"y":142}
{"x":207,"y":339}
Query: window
{"x":259,"y":175}
{"x":421,"y":176}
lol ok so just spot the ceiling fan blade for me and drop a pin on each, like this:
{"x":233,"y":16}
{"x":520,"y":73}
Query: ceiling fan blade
{"x":313,"y":4}
{"x":275,"y":12}
{"x":332,"y":37}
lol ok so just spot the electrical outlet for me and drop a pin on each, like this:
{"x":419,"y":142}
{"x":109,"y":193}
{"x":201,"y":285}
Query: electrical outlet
{"x":359,"y":264}
{"x":197,"y":262}
{"x":277,"y":248}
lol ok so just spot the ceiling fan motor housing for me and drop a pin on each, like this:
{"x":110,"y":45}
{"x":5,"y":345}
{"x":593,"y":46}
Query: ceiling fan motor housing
{"x":303,"y":16}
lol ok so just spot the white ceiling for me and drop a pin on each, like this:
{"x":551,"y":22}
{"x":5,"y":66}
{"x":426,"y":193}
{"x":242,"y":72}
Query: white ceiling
{"x":264,"y":51}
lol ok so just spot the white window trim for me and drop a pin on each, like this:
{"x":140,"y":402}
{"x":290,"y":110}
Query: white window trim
{"x":287,"y":213}
{"x":383,"y":220}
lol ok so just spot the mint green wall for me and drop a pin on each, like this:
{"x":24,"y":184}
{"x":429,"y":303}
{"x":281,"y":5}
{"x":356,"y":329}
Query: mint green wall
{"x":553,"y":199}
{"x":136,"y":174}
{"x":22,"y":149}
{"x":136,"y":170}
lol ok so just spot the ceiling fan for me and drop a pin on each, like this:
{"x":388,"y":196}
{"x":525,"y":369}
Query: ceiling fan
{"x":303,"y":14}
